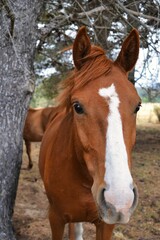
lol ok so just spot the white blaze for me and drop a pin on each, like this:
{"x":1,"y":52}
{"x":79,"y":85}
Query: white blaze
{"x":117,"y":176}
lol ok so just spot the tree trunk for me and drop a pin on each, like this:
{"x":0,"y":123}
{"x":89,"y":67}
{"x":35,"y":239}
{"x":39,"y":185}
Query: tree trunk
{"x":18,"y":36}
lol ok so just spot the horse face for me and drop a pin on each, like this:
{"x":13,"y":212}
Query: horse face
{"x":105,"y":121}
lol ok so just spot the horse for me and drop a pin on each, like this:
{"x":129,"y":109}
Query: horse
{"x":35,"y":124}
{"x":85,"y":155}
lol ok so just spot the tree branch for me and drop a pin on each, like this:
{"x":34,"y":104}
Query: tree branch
{"x":62,"y":19}
{"x":59,"y":21}
{"x":137,"y":13}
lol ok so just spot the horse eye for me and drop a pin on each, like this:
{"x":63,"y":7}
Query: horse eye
{"x":138,"y":107}
{"x":78,"y":108}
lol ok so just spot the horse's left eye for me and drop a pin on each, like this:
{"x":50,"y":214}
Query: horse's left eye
{"x":78,"y":108}
{"x":138,"y":107}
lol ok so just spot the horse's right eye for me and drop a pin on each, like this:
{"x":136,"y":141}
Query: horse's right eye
{"x":78,"y":108}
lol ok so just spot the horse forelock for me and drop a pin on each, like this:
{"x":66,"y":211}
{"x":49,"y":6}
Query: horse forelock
{"x":95,"y":65}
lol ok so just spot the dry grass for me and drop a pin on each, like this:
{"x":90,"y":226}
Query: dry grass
{"x":147,"y":113}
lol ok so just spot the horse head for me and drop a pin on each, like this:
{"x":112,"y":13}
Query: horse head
{"x":104,"y":105}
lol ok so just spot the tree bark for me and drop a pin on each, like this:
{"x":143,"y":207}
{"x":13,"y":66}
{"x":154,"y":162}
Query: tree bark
{"x":18,"y":36}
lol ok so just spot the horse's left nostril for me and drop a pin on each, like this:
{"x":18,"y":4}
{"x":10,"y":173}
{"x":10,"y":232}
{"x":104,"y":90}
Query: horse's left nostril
{"x":135,"y":200}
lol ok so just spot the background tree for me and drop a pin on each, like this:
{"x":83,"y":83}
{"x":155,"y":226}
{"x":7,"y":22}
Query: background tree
{"x":18,"y":36}
{"x":108,"y":22}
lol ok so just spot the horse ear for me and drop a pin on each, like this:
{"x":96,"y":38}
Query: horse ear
{"x":129,"y":52}
{"x":81,"y":47}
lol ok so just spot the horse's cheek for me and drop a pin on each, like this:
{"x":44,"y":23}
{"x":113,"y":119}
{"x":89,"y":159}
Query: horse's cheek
{"x":90,"y":164}
{"x":82,"y":136}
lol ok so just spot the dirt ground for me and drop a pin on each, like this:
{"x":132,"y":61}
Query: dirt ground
{"x":30,"y":215}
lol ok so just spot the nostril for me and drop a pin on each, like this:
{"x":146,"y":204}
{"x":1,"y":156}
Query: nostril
{"x":135,"y":200}
{"x":103,"y":201}
{"x":102,"y":198}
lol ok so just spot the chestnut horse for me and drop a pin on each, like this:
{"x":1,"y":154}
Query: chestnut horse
{"x":85,"y":155}
{"x":36,"y":122}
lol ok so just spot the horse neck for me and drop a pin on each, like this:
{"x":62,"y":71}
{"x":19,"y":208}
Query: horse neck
{"x":47,"y":115}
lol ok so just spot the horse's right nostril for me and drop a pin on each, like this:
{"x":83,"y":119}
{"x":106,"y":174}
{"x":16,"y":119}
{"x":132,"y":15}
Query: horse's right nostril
{"x":102,"y":199}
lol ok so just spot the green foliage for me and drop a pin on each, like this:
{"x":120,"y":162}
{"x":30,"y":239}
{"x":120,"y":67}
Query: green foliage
{"x":46,"y":92}
{"x":149,"y":95}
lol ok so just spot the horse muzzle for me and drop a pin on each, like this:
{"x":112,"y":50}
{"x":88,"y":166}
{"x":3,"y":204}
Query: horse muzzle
{"x":117,"y":207}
